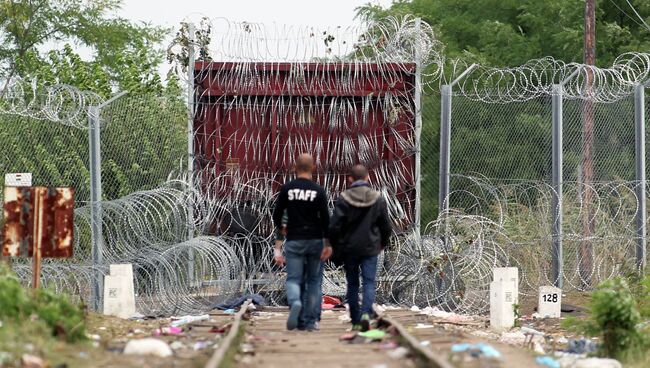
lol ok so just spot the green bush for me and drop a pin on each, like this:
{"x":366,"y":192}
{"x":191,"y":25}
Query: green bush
{"x":14,"y":303}
{"x":614,"y":318}
{"x":641,"y":291}
{"x":64,"y":319}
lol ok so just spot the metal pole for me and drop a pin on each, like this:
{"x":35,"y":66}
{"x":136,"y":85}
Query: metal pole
{"x":557,"y":271}
{"x":96,"y":236}
{"x":445,"y":147}
{"x":444,"y":173}
{"x":418,"y":130}
{"x":190,"y":144}
{"x":639,"y":131}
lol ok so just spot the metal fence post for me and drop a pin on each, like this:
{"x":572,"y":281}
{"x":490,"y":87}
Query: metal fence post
{"x":445,"y":147}
{"x":418,"y":131}
{"x":639,"y":131}
{"x":96,"y":236}
{"x":557,"y":271}
{"x":96,"y":231}
{"x":190,"y":145}
{"x":445,"y":140}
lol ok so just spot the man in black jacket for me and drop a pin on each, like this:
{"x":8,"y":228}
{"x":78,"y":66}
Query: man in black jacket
{"x":359,"y":230}
{"x":306,"y":243}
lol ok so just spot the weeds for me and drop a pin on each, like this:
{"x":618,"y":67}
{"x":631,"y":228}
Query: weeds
{"x":614,"y":317}
{"x":62,"y":318}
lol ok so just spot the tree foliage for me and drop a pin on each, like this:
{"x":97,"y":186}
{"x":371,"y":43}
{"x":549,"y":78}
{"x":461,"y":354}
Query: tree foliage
{"x":125,"y":51}
{"x":510,"y":32}
{"x":143,"y":134}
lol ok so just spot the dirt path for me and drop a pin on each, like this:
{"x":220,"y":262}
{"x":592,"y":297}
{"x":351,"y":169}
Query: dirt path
{"x":191,"y":349}
{"x":274,"y":347}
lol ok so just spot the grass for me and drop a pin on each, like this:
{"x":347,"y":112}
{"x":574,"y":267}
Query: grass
{"x":229,"y":357}
{"x":35,"y":338}
{"x":38,"y":322}
{"x":63,"y":318}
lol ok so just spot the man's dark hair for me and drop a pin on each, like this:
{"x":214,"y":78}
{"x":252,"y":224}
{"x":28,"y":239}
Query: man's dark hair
{"x":359,"y":172}
{"x":304,"y":163}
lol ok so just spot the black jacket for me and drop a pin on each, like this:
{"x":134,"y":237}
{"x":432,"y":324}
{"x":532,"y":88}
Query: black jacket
{"x":307,"y":213}
{"x":359,"y":226}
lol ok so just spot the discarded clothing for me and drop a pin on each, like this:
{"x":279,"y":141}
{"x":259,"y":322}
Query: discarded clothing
{"x":582,"y":346}
{"x":331,"y":300}
{"x":547,"y":362}
{"x":238,"y":301}
{"x":476,"y":350}
{"x":373,"y":334}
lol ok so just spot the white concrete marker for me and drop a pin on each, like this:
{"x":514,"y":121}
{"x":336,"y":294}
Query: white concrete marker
{"x":550,"y":302}
{"x":502,"y":297}
{"x":124,"y":270}
{"x":119,"y":297}
{"x":508,"y":274}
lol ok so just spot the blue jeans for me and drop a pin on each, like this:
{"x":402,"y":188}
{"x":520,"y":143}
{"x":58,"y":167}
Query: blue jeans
{"x":303,"y":266}
{"x":368,"y":266}
{"x":318,"y":307}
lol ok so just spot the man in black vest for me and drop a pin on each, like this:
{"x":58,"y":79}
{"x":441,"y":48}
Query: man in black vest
{"x":359,"y":230}
{"x":307,"y":243}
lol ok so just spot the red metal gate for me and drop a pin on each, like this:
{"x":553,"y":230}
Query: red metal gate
{"x":254,"y":118}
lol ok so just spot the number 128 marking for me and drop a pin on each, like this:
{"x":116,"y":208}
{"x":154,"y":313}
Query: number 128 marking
{"x":550,"y":298}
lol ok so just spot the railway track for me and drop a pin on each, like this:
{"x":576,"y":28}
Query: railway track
{"x":260,"y":339}
{"x":263,"y":341}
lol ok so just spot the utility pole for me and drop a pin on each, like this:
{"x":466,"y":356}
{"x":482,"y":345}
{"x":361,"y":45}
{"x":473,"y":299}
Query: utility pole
{"x":586,"y":247}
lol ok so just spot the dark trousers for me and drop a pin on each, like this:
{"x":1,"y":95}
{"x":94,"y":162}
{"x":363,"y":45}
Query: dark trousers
{"x":366,"y":267}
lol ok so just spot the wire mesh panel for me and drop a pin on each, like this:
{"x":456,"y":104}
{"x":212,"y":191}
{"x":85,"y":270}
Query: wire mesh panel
{"x":600,"y":204}
{"x":143,"y":141}
{"x":430,"y":146}
{"x":501,"y":141}
{"x":55,"y":154}
{"x":501,"y":171}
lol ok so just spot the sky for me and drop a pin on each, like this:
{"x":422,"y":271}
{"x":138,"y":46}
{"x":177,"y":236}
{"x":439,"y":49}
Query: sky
{"x":169,"y":13}
{"x":317,"y":12}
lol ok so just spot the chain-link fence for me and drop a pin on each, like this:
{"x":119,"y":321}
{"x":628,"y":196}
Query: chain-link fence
{"x":143,"y":142}
{"x":503,"y":175}
{"x":501,"y":166}
{"x":55,"y":154}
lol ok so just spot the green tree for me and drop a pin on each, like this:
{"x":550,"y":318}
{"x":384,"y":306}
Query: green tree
{"x":122,"y":49}
{"x":143,"y":134}
{"x":510,"y":32}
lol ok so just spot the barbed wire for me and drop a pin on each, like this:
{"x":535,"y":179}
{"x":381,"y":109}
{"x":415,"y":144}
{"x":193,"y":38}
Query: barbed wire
{"x":536,"y":78}
{"x":57,"y":103}
{"x":498,"y":225}
{"x":392,"y":40}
